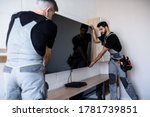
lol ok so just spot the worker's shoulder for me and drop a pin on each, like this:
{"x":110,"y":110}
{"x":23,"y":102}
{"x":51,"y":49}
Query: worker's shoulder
{"x":49,"y":24}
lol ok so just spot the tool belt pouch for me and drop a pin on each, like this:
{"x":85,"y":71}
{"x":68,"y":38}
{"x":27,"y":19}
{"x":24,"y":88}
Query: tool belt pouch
{"x":125,"y":64}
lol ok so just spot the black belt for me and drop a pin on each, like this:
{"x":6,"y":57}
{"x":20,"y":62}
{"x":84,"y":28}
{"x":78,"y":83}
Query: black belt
{"x":115,"y":59}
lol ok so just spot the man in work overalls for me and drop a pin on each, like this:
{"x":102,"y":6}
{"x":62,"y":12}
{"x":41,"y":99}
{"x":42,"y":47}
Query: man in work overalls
{"x":111,"y":43}
{"x":29,"y":44}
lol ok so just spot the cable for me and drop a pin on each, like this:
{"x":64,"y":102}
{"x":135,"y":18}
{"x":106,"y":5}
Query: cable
{"x":70,"y":76}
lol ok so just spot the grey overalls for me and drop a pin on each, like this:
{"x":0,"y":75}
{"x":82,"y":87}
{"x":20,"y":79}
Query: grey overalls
{"x":23,"y":72}
{"x":116,"y":71}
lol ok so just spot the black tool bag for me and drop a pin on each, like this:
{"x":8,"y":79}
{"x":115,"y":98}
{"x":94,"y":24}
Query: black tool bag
{"x":125,"y":64}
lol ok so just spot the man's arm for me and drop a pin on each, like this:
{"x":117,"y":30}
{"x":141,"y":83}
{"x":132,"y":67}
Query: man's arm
{"x":47,"y":55}
{"x":94,"y":35}
{"x":84,"y":55}
{"x":104,"y":50}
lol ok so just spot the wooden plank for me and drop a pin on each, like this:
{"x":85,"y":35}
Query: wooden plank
{"x":3,"y":59}
{"x":64,"y":93}
{"x":3,"y":55}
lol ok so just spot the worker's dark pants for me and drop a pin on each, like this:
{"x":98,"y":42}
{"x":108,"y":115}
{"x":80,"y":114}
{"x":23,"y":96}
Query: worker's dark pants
{"x":114,"y":72}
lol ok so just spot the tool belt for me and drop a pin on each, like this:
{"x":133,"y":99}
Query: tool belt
{"x":124,"y":62}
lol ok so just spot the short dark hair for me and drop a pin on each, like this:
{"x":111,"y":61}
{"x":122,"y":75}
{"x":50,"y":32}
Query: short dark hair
{"x":53,"y":2}
{"x":84,"y":26}
{"x":103,"y":24}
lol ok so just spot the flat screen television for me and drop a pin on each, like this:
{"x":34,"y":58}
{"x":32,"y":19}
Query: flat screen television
{"x":65,"y":47}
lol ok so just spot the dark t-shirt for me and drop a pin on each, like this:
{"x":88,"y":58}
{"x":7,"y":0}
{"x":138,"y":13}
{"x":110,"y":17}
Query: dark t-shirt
{"x":81,"y":42}
{"x":111,"y":42}
{"x":42,"y":34}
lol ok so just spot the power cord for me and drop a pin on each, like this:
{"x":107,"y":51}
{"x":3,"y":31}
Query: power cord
{"x":70,"y":76}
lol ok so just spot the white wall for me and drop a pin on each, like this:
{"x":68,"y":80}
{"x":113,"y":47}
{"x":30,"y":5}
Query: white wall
{"x":130,"y":20}
{"x":79,"y":10}
{"x":7,"y":7}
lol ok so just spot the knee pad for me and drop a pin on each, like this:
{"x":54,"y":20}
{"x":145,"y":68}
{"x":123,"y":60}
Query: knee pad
{"x":124,"y":82}
{"x":112,"y":79}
